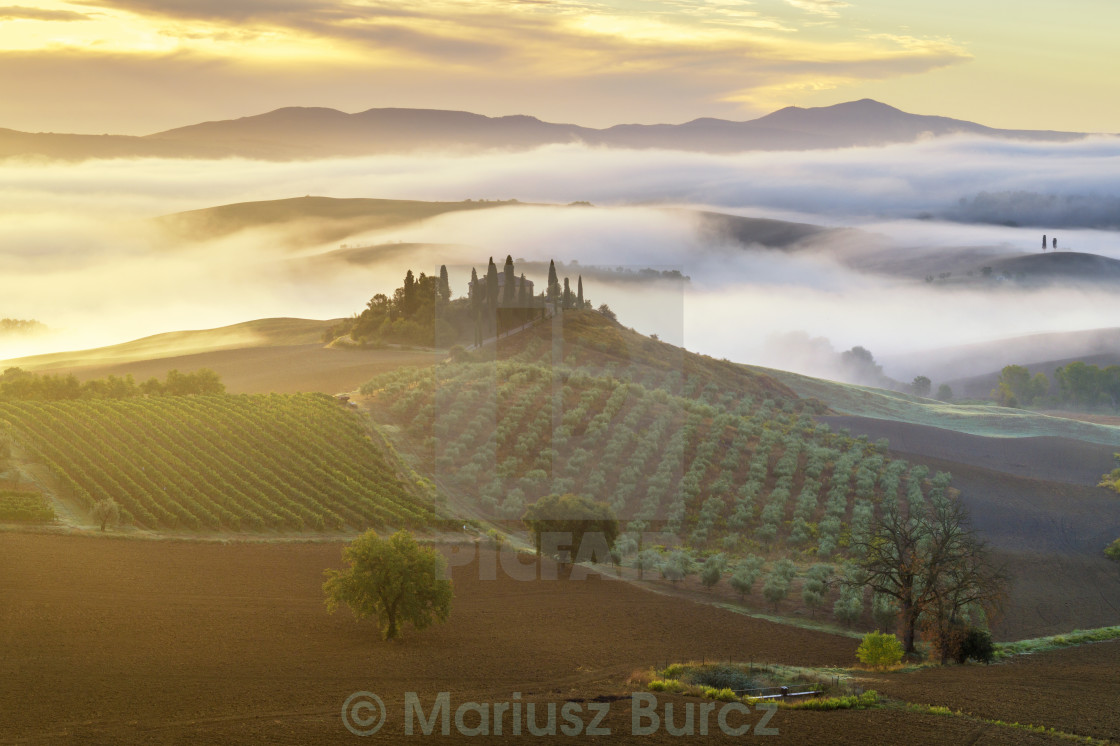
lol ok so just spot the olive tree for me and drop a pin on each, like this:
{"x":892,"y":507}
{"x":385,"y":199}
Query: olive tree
{"x":573,"y":519}
{"x":106,"y":512}
{"x":395,"y":579}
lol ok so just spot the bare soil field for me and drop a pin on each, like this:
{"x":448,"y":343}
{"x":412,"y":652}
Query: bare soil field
{"x":1074,"y":690}
{"x":1050,"y":530}
{"x":1049,"y":458}
{"x":283,"y":369}
{"x":129,"y":641}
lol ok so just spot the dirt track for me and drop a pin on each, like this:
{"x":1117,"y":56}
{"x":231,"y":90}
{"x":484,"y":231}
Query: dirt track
{"x":127,"y":641}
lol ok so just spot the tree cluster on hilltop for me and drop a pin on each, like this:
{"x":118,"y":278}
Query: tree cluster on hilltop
{"x":18,"y":384}
{"x":422,"y":311}
{"x":21,"y":326}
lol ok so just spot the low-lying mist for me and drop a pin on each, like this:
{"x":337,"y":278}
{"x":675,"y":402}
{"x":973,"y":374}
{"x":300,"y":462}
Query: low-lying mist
{"x":80,"y":254}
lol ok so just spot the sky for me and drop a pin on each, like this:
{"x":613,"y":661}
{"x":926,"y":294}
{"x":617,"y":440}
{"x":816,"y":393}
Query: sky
{"x":141,"y":66}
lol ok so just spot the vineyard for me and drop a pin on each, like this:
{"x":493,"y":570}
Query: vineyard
{"x":24,"y":507}
{"x":278,"y":462}
{"x":668,"y":451}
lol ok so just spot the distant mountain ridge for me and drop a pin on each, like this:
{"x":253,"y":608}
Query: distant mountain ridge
{"x":294,"y":133}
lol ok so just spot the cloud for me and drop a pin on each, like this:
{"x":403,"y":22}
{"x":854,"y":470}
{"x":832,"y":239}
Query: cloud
{"x":22,"y":13}
{"x":828,"y":8}
{"x":76,"y":259}
{"x":593,"y":63}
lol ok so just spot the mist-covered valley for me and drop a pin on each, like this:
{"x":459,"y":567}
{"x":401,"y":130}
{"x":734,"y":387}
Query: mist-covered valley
{"x":921,"y":246}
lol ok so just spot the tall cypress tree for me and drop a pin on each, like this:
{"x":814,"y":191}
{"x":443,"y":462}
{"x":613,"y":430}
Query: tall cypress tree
{"x":408,"y":300}
{"x":492,"y":284}
{"x":523,"y":292}
{"x":492,"y":295}
{"x":579,"y":292}
{"x":553,"y":282}
{"x":508,"y":279}
{"x":477,"y":290}
{"x":567,"y":294}
{"x":444,"y":285}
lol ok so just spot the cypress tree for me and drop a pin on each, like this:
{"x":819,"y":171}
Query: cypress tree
{"x":508,"y":290}
{"x":444,"y":285}
{"x":579,"y":292}
{"x":492,"y":284}
{"x":567,"y":294}
{"x":553,"y":282}
{"x":408,"y":301}
{"x":476,"y":306}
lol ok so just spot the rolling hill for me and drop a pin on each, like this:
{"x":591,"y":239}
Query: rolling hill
{"x":989,"y":421}
{"x":302,"y":133}
{"x":255,"y":357}
{"x":983,"y":360}
{"x":319,"y":219}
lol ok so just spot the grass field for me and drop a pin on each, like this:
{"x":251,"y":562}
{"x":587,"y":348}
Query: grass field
{"x":987,"y":420}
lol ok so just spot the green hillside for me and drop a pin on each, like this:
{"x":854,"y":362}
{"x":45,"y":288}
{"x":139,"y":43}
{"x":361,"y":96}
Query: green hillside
{"x":326,"y":218}
{"x":278,"y":332}
{"x":975,"y":419}
{"x":725,"y":458}
{"x":278,"y":461}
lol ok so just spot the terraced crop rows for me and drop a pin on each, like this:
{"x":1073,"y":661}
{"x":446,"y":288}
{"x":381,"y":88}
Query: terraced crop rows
{"x":723,"y":471}
{"x":278,"y":461}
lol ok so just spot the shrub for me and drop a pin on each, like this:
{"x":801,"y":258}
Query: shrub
{"x":717,"y":676}
{"x":1113,"y":551}
{"x":665,"y":685}
{"x":723,"y":695}
{"x":879,"y":650}
{"x":976,"y":645}
{"x":869,"y":698}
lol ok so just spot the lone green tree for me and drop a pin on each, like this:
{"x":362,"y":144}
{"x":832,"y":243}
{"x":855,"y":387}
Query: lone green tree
{"x":921,"y":386}
{"x":106,"y":512}
{"x":568,"y":520}
{"x":395,"y":579}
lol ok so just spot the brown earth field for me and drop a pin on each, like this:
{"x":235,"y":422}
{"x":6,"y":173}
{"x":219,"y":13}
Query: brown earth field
{"x":282,"y":369}
{"x":141,"y":641}
{"x":1051,"y":532}
{"x":1073,"y":690}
